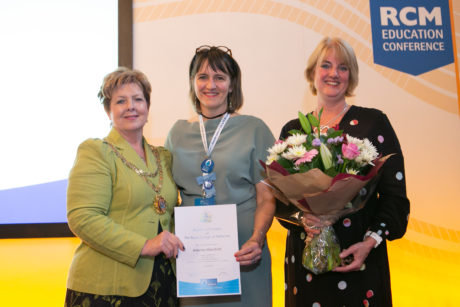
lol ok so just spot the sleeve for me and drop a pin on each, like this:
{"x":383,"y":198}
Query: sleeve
{"x":391,"y":218}
{"x":263,"y":140}
{"x":284,"y":132}
{"x":290,"y":125}
{"x":169,"y":142}
{"x":89,"y":195}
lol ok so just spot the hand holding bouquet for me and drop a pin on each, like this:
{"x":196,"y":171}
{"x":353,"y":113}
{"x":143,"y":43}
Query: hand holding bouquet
{"x":328,"y":175}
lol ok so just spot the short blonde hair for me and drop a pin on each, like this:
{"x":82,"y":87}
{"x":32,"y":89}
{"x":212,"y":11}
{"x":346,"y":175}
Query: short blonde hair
{"x":345,"y":53}
{"x":120,"y":77}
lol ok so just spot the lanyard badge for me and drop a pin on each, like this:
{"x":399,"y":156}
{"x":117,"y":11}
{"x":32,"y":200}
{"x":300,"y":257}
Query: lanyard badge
{"x":208,"y":177}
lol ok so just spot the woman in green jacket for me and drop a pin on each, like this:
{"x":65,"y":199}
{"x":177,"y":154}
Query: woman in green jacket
{"x":120,"y":200}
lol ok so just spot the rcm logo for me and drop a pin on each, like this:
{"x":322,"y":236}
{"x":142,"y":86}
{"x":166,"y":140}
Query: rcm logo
{"x":411,"y":36}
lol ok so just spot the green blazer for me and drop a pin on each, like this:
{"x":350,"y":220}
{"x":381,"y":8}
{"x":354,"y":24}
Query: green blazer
{"x":110,"y":208}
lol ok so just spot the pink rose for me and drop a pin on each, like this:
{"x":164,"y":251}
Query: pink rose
{"x":350,"y":151}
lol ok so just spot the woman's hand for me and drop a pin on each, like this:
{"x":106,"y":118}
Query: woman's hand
{"x":251,"y":251}
{"x":311,"y":224}
{"x":165,"y":243}
{"x":359,"y":251}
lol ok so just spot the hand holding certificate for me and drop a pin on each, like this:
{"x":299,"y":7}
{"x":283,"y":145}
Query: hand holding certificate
{"x":208,"y":266}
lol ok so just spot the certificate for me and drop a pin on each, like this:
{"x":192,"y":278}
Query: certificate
{"x":208,"y":266}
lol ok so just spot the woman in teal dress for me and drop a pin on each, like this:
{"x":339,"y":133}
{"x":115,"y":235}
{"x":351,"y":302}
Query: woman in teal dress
{"x":215,"y":91}
{"x":120,"y":201}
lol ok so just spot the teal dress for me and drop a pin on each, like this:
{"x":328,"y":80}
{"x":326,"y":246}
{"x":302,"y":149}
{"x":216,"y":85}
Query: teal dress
{"x":243,"y":142}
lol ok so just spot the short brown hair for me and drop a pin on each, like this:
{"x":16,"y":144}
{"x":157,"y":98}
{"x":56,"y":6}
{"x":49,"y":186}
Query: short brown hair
{"x":218,"y":58}
{"x":120,"y":77}
{"x":344,"y":52}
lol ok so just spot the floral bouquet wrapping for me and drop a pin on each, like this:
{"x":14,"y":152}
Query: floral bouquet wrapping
{"x":328,"y":175}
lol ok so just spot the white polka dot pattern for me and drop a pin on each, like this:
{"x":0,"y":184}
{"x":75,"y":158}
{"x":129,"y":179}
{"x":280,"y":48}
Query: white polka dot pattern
{"x":342,"y":285}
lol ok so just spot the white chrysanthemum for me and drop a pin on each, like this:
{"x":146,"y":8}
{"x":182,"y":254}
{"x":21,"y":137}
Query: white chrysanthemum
{"x":297,"y":151}
{"x":277,"y":148}
{"x":368,"y":153}
{"x":287,"y":155}
{"x":271,"y":158}
{"x":296,"y":139}
{"x":294,"y":152}
{"x":351,"y":171}
{"x":370,"y":148}
{"x":354,"y":140}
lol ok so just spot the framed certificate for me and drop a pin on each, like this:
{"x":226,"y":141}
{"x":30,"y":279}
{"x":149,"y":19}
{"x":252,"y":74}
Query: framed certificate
{"x":208,"y":266}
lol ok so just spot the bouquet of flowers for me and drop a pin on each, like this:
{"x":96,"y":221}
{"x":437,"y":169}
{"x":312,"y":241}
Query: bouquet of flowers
{"x":326,"y":174}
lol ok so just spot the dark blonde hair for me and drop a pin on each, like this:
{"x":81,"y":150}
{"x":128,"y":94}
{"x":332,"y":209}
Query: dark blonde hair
{"x":120,"y":77}
{"x":345,"y":54}
{"x":218,"y":58}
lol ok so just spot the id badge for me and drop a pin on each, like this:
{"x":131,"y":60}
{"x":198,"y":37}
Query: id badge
{"x":205,"y":201}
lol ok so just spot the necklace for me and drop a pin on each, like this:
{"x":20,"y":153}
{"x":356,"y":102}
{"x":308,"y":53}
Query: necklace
{"x":326,"y":125}
{"x":159,"y":203}
{"x":212,"y":117}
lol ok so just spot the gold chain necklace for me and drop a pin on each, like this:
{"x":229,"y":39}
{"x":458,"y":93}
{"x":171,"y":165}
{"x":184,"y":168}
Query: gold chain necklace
{"x":159,"y":203}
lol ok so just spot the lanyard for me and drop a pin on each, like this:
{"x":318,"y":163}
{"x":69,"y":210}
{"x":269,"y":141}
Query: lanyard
{"x":216,"y":135}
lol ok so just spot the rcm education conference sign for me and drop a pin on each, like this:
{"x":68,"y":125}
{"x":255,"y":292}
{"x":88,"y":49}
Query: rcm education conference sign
{"x":411,"y":36}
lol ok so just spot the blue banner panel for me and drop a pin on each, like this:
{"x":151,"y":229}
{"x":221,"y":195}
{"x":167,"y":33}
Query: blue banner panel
{"x":411,"y":36}
{"x":41,"y":203}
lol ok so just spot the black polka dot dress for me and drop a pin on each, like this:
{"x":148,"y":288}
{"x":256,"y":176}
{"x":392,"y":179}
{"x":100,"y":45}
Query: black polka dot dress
{"x":385,"y":213}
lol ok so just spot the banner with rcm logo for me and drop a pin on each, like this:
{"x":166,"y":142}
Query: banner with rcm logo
{"x":412,"y":36}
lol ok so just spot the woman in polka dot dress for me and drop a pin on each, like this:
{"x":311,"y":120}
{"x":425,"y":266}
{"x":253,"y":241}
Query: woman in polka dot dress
{"x":332,"y":72}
